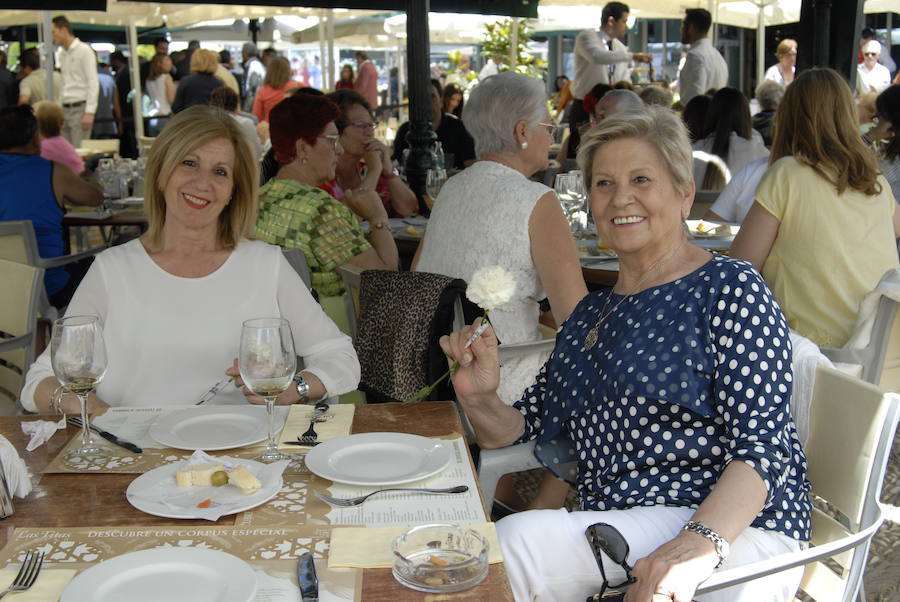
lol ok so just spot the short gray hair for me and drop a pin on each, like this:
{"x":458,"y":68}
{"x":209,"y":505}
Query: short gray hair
{"x":626,"y":101}
{"x":497,"y":104}
{"x":660,"y":127}
{"x":654,"y":95}
{"x":769,"y":94}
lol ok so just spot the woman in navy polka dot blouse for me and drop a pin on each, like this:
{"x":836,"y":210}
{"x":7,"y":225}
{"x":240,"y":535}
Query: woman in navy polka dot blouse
{"x":665,"y":401}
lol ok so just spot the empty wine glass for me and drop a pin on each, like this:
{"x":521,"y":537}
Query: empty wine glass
{"x":267,"y":364}
{"x":78,"y":355}
{"x":435,"y":181}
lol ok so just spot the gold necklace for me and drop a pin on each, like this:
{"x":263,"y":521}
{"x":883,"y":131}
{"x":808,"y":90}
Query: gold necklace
{"x":593,"y":334}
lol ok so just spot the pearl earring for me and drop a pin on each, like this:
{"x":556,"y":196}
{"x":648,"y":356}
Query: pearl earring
{"x":304,"y":161}
{"x":524,"y":145}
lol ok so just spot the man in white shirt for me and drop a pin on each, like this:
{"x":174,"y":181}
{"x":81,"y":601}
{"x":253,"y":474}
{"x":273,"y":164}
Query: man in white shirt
{"x":600,"y":58}
{"x":704,"y":68}
{"x":80,"y":87}
{"x":872,"y":76}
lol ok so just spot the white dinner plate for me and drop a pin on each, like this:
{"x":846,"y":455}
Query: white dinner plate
{"x":378,"y":458}
{"x":170,"y":574}
{"x":144,"y":491}
{"x":211,"y":428}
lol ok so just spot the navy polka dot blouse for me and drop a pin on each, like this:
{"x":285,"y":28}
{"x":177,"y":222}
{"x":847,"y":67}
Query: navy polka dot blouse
{"x":685,"y":378}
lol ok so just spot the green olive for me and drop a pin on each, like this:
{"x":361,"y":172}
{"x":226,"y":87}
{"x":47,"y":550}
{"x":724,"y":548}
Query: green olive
{"x":218,"y":478}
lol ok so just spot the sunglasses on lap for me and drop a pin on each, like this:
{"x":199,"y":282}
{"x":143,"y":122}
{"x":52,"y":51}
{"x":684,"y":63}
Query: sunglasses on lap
{"x":605,"y":538}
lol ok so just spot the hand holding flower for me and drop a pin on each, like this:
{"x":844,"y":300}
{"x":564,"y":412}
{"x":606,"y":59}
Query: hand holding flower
{"x":478,"y":366}
{"x":489,"y":288}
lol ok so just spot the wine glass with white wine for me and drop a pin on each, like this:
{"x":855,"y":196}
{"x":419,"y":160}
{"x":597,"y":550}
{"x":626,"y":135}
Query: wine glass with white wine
{"x":267,"y":363}
{"x":78,"y":355}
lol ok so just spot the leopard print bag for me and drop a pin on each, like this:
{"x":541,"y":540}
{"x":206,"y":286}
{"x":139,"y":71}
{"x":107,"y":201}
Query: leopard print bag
{"x":402,"y":317}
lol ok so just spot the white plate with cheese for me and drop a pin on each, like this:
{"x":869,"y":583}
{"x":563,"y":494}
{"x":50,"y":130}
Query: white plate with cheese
{"x":184,"y":490}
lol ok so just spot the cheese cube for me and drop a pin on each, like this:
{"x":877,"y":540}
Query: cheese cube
{"x":242,"y":478}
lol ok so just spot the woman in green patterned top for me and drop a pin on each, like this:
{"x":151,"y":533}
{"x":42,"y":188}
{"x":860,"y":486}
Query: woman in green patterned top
{"x":295,"y":213}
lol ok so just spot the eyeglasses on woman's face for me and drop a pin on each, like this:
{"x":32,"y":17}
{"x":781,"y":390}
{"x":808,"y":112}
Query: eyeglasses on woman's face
{"x":870,"y":54}
{"x":551,"y":128}
{"x":333,"y":139}
{"x":363,"y":126}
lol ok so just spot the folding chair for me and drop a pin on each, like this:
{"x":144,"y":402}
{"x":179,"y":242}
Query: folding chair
{"x":852,"y":426}
{"x":19,"y":295}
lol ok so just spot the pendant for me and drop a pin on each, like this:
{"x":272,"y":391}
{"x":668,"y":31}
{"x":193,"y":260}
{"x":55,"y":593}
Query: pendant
{"x":591,"y":339}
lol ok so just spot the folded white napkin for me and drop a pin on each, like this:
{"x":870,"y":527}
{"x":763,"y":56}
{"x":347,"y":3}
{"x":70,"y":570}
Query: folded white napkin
{"x":17,"y":478}
{"x":40,"y":431}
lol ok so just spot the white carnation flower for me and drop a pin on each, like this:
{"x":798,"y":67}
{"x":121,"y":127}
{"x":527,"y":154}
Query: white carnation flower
{"x":491,"y":287}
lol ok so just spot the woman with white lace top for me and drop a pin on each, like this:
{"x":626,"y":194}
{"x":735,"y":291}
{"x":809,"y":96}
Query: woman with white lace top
{"x":493,"y":214}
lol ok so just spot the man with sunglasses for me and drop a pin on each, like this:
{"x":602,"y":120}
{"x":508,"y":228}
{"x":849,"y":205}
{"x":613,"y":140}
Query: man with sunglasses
{"x":872,"y":76}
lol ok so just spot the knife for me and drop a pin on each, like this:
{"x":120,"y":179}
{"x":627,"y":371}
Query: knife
{"x":75,"y":421}
{"x":306,"y":577}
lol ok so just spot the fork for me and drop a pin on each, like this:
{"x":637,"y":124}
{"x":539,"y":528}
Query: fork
{"x":310,"y":435}
{"x":356,"y":501}
{"x":27,"y":574}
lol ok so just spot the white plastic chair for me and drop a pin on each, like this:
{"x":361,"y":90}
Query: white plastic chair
{"x":19,"y":295}
{"x":873,"y":351}
{"x":852,"y":426}
{"x":18,"y":243}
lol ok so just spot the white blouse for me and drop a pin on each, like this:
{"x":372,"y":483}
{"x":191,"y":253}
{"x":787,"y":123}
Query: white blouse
{"x":169,"y":339}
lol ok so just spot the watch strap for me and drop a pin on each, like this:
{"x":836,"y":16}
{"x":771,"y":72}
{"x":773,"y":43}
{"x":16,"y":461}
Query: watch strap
{"x":302,"y":388}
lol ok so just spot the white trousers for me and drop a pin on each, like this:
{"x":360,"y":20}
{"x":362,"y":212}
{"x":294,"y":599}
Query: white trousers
{"x":547,"y":555}
{"x":71,"y":129}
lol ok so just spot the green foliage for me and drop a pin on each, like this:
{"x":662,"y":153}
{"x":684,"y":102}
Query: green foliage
{"x":497,"y":40}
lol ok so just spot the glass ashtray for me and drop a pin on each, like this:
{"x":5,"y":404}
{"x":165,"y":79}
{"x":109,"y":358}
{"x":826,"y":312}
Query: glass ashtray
{"x":440,"y":558}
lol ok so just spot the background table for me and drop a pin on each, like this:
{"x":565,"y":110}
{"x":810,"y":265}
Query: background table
{"x":107,"y":224}
{"x":98,"y":500}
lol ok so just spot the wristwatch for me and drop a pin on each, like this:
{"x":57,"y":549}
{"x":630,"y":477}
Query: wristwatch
{"x":379,"y":225}
{"x":722,"y":546}
{"x":302,"y":388}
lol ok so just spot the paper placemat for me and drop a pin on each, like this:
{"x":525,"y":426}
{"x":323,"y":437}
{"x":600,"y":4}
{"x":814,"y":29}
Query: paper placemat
{"x":370,"y":548}
{"x":295,"y":503}
{"x":333,"y":424}
{"x":48,"y":586}
{"x":271,"y":551}
{"x":133,"y":424}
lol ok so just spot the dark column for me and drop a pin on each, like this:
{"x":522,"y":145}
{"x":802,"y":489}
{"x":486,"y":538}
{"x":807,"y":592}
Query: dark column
{"x":829,"y":35}
{"x":253,"y":27}
{"x":421,"y":136}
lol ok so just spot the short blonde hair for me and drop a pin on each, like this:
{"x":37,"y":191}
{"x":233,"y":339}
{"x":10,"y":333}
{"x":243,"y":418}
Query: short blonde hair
{"x":785,"y":46}
{"x":659,"y":126}
{"x":193,"y":127}
{"x":50,"y":118}
{"x":204,"y":61}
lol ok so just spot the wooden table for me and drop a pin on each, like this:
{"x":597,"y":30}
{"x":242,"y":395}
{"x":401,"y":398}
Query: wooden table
{"x":107,"y":224}
{"x":98,"y":500}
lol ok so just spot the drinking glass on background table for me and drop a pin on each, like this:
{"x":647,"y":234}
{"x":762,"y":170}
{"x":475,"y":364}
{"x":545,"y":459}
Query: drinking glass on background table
{"x":570,"y":190}
{"x":434,"y":181}
{"x":78,"y":356}
{"x":267,"y":364}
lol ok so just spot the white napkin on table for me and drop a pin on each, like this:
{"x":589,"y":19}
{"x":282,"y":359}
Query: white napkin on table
{"x":17,"y":478}
{"x":40,"y":431}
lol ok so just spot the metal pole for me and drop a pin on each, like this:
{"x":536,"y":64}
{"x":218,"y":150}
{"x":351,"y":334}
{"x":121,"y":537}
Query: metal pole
{"x":760,"y":45}
{"x":420,"y":136}
{"x":513,"y":44}
{"x":329,"y":30}
{"x":134,"y":69}
{"x":45,"y":41}
{"x":323,"y":64}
